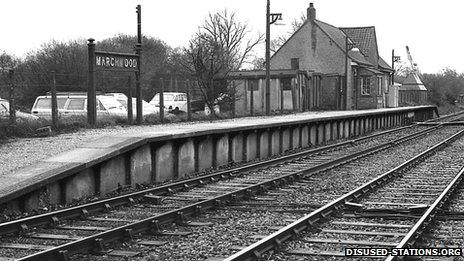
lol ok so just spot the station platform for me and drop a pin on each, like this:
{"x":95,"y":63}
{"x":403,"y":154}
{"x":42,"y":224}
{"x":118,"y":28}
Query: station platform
{"x":57,"y":170}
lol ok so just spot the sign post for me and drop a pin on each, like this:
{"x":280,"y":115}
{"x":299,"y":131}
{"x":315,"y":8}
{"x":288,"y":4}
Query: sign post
{"x":91,"y":90}
{"x":108,"y":61}
{"x":130,"y":113}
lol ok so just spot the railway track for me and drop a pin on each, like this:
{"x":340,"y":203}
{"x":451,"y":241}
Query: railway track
{"x":97,"y":226}
{"x":391,"y":211}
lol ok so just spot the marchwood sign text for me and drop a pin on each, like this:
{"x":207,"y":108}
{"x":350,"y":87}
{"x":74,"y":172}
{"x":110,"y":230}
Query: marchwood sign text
{"x":116,"y":61}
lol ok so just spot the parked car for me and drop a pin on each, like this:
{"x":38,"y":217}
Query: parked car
{"x":5,"y":112}
{"x":174,"y":102}
{"x":147,"y":108}
{"x":72,"y":104}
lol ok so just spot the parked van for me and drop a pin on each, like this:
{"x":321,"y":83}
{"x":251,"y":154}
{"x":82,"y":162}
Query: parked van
{"x":72,"y":104}
{"x":173,"y":101}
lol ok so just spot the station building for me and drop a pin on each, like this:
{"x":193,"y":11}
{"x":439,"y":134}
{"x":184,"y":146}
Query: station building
{"x":320,"y":67}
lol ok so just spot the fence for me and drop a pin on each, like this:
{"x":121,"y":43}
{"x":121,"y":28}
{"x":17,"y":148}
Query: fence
{"x":20,"y":90}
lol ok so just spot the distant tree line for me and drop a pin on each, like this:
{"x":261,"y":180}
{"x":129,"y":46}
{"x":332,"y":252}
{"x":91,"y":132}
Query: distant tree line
{"x":222,"y":44}
{"x":444,"y":87}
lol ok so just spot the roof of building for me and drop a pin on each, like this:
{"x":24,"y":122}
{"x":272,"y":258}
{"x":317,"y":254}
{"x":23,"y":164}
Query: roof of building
{"x":413,"y":82}
{"x":333,"y":32}
{"x":364,"y":37}
{"x":384,"y":65}
{"x":359,"y":58}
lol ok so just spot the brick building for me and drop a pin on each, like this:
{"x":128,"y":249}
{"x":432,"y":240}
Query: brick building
{"x":342,"y":67}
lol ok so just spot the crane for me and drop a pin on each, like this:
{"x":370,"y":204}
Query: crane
{"x":414,"y":67}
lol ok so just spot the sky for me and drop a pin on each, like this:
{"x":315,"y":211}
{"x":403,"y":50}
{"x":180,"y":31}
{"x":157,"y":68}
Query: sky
{"x":432,"y":29}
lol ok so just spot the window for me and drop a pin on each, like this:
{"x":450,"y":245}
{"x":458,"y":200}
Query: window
{"x":76,"y":104}
{"x":295,"y":63}
{"x":182,"y":97}
{"x":44,"y":103}
{"x":253,"y":85}
{"x":286,"y":84}
{"x":61,"y":102}
{"x":366,"y":84}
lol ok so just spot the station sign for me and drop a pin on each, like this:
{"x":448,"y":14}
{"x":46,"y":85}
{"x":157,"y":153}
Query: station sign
{"x":116,"y":61}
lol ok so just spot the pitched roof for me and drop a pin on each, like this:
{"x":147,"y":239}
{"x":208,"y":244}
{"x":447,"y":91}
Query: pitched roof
{"x":364,"y":37}
{"x":358,"y":57}
{"x":333,"y":32}
{"x":413,"y":82}
{"x":384,"y":65}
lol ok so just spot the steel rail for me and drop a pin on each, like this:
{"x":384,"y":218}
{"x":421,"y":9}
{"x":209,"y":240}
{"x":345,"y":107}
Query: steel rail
{"x":429,"y":216}
{"x":97,"y":241}
{"x":275,"y":240}
{"x":106,"y":204}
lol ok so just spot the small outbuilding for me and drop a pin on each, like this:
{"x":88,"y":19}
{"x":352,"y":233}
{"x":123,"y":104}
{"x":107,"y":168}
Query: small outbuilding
{"x":412,"y":91}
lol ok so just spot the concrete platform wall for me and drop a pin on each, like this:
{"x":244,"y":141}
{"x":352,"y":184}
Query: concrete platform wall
{"x":152,"y":162}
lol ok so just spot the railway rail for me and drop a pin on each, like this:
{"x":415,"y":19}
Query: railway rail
{"x":60,"y":234}
{"x":390,"y":211}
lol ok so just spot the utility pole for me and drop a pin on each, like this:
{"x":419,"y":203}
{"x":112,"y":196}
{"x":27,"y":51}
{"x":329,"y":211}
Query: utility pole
{"x":138,"y":51}
{"x":270,"y":19}
{"x":394,"y":59}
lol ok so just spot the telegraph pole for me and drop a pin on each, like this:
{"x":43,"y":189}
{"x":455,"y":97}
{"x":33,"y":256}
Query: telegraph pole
{"x":268,"y":57}
{"x":138,"y":50}
{"x":270,"y":19}
{"x":394,"y":59}
{"x":393,"y":66}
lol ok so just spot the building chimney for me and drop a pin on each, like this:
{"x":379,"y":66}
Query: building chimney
{"x":311,"y":12}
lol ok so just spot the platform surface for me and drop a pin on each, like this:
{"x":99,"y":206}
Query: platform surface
{"x":31,"y":160}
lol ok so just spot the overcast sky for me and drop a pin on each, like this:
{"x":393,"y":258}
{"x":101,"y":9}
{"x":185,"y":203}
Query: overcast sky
{"x":432,"y":29}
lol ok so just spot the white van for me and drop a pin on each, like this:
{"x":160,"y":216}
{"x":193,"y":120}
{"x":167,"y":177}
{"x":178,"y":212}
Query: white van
{"x":147,"y":108}
{"x":72,"y":104}
{"x":173,"y":101}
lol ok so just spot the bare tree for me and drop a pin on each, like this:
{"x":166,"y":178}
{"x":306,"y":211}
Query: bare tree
{"x":221,"y":45}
